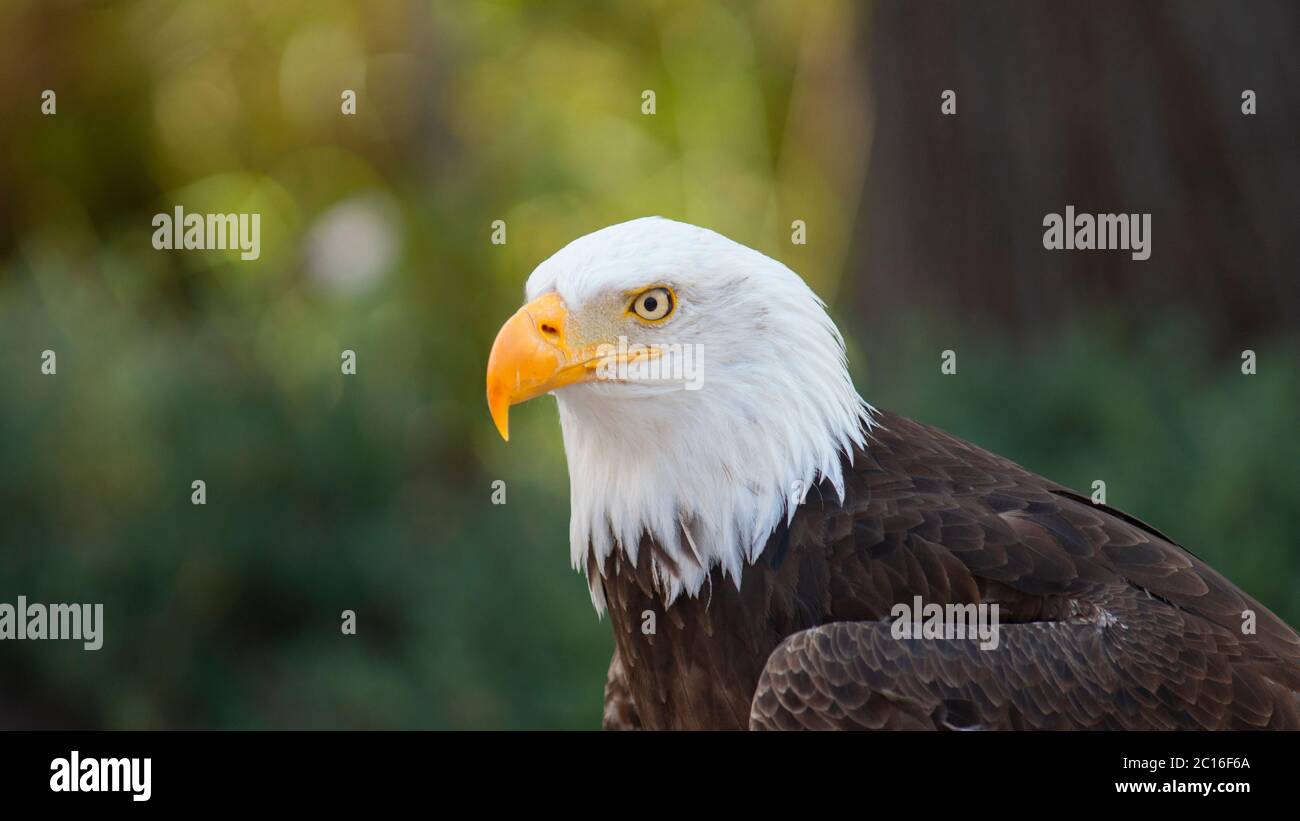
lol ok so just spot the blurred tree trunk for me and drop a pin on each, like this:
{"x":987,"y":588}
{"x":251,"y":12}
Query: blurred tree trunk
{"x":1112,"y":107}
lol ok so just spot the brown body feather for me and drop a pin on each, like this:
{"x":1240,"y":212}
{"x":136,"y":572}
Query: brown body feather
{"x":1105,"y":622}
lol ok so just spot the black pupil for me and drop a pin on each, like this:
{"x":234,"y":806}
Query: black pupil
{"x":650,"y":304}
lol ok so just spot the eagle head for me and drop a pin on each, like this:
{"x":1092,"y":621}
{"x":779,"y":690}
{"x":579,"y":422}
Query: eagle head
{"x":702,"y":390}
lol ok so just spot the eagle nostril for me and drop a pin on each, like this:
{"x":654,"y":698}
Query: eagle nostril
{"x":549,"y":329}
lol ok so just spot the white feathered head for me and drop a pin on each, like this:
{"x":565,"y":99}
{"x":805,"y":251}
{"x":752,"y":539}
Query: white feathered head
{"x":702,"y":391}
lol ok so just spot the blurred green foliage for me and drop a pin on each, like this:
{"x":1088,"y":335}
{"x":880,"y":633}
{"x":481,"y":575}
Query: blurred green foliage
{"x":373,"y":492}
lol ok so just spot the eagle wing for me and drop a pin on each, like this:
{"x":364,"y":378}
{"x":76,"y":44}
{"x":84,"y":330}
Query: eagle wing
{"x":1146,"y":666}
{"x":1105,"y":622}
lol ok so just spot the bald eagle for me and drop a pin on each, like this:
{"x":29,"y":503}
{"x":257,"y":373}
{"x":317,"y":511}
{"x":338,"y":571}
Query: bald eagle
{"x":768,"y":525}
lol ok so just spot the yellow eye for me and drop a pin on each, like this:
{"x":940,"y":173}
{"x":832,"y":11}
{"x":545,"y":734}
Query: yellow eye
{"x":653,"y":305}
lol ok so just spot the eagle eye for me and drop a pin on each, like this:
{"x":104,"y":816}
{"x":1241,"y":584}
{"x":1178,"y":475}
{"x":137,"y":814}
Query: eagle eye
{"x":653,"y":305}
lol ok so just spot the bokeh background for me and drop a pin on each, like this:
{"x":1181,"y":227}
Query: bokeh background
{"x":373,"y":492}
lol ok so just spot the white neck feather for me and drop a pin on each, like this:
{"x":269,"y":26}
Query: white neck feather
{"x":708,"y":474}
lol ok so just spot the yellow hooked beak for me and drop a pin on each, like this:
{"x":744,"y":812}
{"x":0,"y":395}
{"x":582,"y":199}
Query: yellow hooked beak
{"x":531,"y":356}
